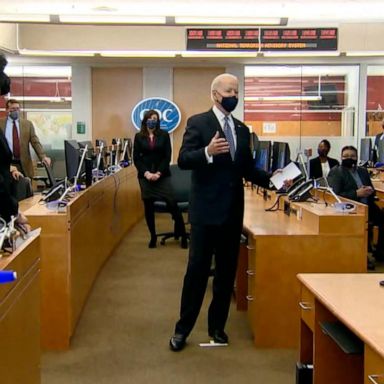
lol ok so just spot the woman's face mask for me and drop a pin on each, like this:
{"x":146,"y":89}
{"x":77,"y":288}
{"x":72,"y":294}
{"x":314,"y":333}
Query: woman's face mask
{"x":151,"y":123}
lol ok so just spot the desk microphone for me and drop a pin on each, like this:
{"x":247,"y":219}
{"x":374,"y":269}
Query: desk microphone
{"x":339,"y":206}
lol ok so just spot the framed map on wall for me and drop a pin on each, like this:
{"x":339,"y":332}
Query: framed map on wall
{"x":52,"y":126}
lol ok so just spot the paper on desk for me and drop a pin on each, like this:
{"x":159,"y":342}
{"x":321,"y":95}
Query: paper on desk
{"x":288,"y":173}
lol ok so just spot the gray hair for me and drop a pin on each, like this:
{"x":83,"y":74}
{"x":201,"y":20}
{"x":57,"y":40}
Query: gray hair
{"x":216,"y":82}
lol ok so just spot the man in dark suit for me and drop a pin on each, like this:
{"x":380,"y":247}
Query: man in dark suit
{"x":353,"y":182}
{"x":321,"y":165}
{"x":379,"y":137}
{"x":216,"y":147}
{"x":8,"y":204}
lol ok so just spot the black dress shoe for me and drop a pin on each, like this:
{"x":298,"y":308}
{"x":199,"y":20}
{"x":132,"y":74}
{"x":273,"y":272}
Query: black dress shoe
{"x":177,"y":342}
{"x":219,"y":337}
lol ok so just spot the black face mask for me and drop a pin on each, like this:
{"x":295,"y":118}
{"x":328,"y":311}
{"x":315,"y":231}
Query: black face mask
{"x":349,"y":163}
{"x":322,"y":153}
{"x":229,"y":103}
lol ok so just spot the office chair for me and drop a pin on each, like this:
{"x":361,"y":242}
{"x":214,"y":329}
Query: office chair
{"x":48,"y":179}
{"x":181,"y":182}
{"x":22,"y":188}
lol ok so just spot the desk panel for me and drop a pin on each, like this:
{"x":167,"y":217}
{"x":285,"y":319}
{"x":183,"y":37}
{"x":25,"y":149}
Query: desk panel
{"x":20,"y":316}
{"x":355,"y":301}
{"x":75,"y":245}
{"x":283,"y":246}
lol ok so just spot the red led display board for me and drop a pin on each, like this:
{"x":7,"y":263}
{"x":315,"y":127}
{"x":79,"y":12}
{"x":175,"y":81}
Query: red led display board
{"x":262,"y":39}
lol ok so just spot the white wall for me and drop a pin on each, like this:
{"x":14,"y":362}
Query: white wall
{"x":82,"y":100}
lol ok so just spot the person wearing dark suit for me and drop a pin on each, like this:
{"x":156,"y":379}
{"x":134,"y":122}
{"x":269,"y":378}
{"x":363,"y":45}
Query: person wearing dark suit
{"x":321,"y":165}
{"x":151,"y":156}
{"x":216,"y":147}
{"x":20,"y":134}
{"x":8,"y":204}
{"x":379,"y":137}
{"x":354,"y":183}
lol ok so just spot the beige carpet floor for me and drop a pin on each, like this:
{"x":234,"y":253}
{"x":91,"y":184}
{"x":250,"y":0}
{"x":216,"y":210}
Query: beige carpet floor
{"x":122,"y":336}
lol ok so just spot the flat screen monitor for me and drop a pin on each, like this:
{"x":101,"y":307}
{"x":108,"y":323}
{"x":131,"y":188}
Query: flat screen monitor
{"x":254,"y":143}
{"x":263,"y":155}
{"x":72,"y":158}
{"x":101,"y":141}
{"x":365,"y":149}
{"x":127,"y":155}
{"x":281,"y":155}
{"x":90,"y":150}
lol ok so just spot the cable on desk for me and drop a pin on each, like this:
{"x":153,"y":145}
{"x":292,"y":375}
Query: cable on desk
{"x":275,"y":206}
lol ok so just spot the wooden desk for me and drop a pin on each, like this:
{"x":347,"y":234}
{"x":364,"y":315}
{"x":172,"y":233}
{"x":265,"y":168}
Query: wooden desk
{"x":282,"y":246}
{"x":20,"y":316}
{"x":355,"y":300}
{"x":75,"y":245}
{"x":379,"y":188}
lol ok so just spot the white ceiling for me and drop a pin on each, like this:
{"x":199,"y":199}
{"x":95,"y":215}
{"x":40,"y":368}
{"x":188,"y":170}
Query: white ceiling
{"x":297,"y":11}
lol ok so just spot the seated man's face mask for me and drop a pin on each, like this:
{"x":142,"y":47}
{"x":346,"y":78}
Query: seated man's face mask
{"x":349,"y":162}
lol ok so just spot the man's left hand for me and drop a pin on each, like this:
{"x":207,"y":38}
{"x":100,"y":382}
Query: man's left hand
{"x":47,"y":161}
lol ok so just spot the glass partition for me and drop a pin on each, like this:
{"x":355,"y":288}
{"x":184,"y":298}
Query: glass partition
{"x":375,"y":99}
{"x":45,"y":97}
{"x":302,"y":105}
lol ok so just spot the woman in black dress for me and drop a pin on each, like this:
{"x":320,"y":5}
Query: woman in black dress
{"x":152,"y":155}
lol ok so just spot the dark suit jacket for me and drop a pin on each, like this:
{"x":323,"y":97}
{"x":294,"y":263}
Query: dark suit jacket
{"x":315,"y":170}
{"x":377,"y":140}
{"x":217,"y":193}
{"x":27,"y":136}
{"x":343,"y":183}
{"x":152,"y":160}
{"x":8,"y":204}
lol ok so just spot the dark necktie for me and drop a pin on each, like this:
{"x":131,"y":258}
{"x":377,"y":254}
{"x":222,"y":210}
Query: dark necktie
{"x":16,"y":142}
{"x":229,"y":136}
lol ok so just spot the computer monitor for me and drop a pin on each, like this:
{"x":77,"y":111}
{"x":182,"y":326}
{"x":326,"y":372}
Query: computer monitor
{"x":127,"y":155}
{"x":263,"y":155}
{"x":82,"y":144}
{"x":254,"y":143}
{"x":281,"y":155}
{"x":72,"y":158}
{"x":365,"y":149}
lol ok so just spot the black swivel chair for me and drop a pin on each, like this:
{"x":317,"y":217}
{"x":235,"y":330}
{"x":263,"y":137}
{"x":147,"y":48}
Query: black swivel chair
{"x":22,"y":188}
{"x":181,"y":182}
{"x":49,"y":179}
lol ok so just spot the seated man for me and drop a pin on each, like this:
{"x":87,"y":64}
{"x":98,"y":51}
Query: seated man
{"x":353,"y":182}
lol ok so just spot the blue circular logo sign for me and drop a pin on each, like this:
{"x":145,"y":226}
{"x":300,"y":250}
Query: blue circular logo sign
{"x":168,"y":111}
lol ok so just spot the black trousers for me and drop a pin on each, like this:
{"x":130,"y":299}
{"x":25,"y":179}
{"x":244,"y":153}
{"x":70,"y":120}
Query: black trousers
{"x":223,"y":241}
